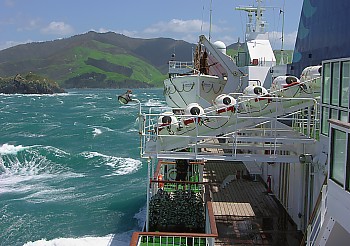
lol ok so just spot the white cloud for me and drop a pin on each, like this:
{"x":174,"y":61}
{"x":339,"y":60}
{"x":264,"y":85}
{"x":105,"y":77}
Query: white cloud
{"x":180,"y":26}
{"x":8,"y":44}
{"x":102,"y":30}
{"x":175,"y":25}
{"x":59,"y":28}
{"x":187,"y":30}
{"x":289,"y":40}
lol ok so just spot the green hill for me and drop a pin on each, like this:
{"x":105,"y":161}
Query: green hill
{"x":103,"y":60}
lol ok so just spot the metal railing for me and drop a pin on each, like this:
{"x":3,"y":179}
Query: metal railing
{"x":317,"y":218}
{"x":164,"y":239}
{"x":178,"y":67}
{"x":234,"y":140}
{"x":197,"y":131}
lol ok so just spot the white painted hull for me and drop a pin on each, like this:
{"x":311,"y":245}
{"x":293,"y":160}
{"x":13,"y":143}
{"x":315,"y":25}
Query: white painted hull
{"x":202,"y":89}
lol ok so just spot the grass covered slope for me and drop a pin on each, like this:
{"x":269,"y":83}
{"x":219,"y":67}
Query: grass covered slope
{"x":96,"y":60}
{"x":88,"y":67}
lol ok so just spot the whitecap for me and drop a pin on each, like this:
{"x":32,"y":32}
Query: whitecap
{"x":97,"y":131}
{"x":83,"y":241}
{"x":120,"y":165}
{"x":154,"y":103}
{"x":9,"y":149}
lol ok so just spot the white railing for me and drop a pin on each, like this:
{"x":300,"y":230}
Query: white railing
{"x":228,"y":124}
{"x":237,"y":141}
{"x":178,"y":67}
{"x":158,"y":240}
{"x":317,"y":219}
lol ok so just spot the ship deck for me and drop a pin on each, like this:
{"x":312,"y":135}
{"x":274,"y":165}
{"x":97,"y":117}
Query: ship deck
{"x":244,"y":212}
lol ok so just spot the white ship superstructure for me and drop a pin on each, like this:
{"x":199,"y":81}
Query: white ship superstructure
{"x":207,"y":150}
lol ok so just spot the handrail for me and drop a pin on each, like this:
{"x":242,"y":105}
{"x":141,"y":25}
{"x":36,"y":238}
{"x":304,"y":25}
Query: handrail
{"x":315,"y":211}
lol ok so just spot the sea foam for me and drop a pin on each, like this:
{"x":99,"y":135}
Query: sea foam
{"x":7,"y":149}
{"x":84,"y":241}
{"x":120,"y":165}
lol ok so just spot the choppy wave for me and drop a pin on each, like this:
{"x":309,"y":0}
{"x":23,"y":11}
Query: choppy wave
{"x":154,"y":103}
{"x":26,"y":168}
{"x":97,"y":131}
{"x":120,"y":166}
{"x":84,"y":241}
{"x":121,"y":239}
{"x":36,"y":95}
{"x":9,"y":149}
{"x":54,"y":176}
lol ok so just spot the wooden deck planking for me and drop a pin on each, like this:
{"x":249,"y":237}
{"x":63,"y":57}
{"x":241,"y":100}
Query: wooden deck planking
{"x":241,"y":207}
{"x":233,"y":209}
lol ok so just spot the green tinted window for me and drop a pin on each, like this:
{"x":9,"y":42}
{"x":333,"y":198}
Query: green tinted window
{"x":324,"y":123}
{"x":345,"y":81}
{"x":344,"y":116}
{"x":338,"y":156}
{"x":335,"y":83}
{"x":326,"y":83}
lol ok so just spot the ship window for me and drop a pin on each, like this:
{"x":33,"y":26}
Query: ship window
{"x":335,"y":83}
{"x":324,"y":123}
{"x":326,"y":83}
{"x":338,"y":156}
{"x":345,"y":81}
{"x":343,"y":116}
{"x":334,"y":114}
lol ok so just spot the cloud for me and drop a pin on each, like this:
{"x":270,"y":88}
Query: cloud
{"x":187,"y":30}
{"x":58,"y":28}
{"x":8,"y":44}
{"x":175,"y":25}
{"x":276,"y":40}
{"x":180,"y":26}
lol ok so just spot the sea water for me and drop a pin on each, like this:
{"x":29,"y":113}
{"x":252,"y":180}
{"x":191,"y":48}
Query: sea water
{"x":70,"y":168}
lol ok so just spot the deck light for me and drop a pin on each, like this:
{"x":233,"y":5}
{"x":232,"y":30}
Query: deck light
{"x":125,"y":98}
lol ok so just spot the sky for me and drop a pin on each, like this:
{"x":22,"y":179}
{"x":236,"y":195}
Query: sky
{"x":24,"y":21}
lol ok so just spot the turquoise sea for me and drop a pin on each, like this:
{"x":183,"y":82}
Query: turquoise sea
{"x":70,"y":168}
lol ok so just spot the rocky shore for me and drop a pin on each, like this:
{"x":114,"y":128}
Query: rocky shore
{"x":29,"y":84}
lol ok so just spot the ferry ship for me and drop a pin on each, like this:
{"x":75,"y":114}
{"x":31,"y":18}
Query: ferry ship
{"x":261,"y":160}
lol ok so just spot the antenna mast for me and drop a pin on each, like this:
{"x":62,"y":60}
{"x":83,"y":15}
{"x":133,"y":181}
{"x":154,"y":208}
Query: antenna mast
{"x":257,"y":28}
{"x":282,"y":39}
{"x":211,"y":10}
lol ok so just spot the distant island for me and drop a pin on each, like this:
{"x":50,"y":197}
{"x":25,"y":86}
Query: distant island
{"x":29,"y":84}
